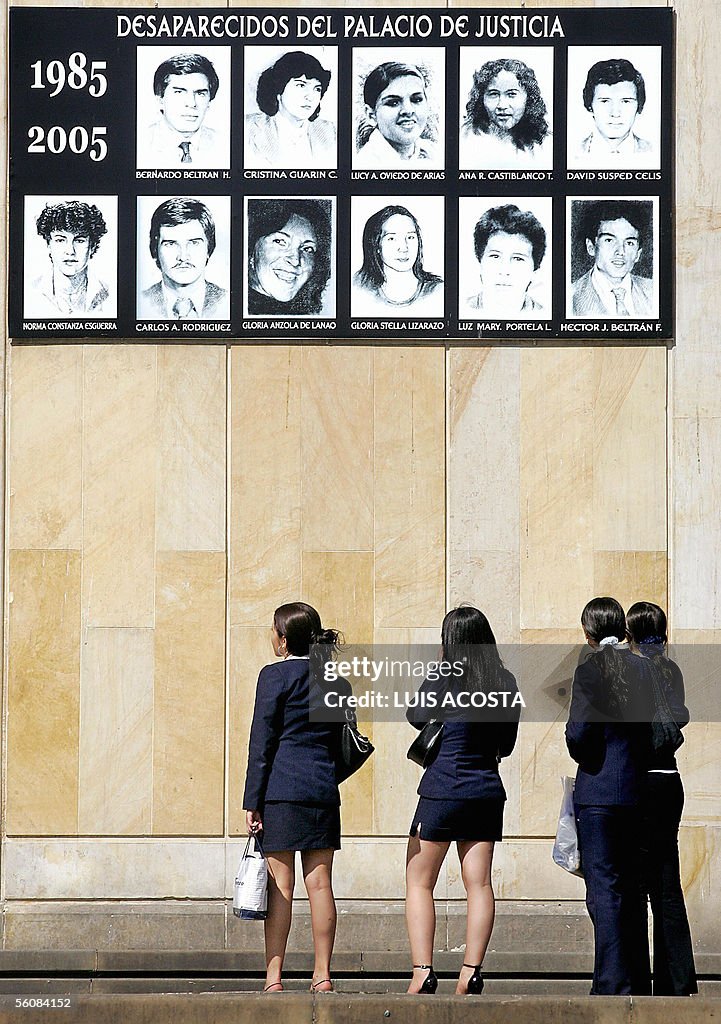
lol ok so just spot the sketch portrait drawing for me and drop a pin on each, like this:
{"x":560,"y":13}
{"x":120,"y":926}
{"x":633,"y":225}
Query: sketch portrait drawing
{"x":72,"y":231}
{"x":397,"y":127}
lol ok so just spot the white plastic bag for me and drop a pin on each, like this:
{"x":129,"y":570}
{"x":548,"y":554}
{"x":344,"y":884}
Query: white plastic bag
{"x":250,"y":897}
{"x":565,"y":849}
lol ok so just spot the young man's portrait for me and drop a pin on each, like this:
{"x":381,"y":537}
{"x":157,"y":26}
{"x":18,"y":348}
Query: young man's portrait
{"x":612,"y":256}
{"x":614,"y":107}
{"x":70,"y":257}
{"x":181,"y":240}
{"x":188,"y":93}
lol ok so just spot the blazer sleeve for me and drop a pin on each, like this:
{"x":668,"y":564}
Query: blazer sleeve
{"x":264,"y":735}
{"x":584,"y":733}
{"x":508,"y":729}
{"x":676,"y":696}
{"x":422,"y":712}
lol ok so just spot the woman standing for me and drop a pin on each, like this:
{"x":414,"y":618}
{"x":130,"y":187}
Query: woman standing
{"x":674,"y":973}
{"x":461,"y":798}
{"x":606,"y":735}
{"x":291,"y":794}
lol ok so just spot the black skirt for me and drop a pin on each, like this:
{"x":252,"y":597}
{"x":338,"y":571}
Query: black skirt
{"x":300,"y":826}
{"x":454,"y":821}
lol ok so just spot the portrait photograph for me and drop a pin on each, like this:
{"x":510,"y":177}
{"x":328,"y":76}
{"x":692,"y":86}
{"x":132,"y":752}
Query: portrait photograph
{"x":505,"y":258}
{"x":397,"y":256}
{"x":398,"y":108}
{"x":183,"y":103}
{"x":290,"y":257}
{"x":506,"y":108}
{"x":291,"y":107}
{"x":614,"y":107}
{"x":611,"y":257}
{"x":183,"y":258}
{"x":70,"y":250}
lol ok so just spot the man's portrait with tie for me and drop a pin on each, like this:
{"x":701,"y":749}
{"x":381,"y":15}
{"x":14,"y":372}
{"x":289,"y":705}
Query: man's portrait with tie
{"x":190,"y":121}
{"x":612,"y":259}
{"x":181,"y":244}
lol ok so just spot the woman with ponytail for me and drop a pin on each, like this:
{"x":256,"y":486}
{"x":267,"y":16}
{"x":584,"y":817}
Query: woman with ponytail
{"x":291,"y":795}
{"x":674,"y":972}
{"x":608,"y":738}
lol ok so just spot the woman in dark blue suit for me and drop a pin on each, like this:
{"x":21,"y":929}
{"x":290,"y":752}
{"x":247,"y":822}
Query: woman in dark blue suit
{"x":607,"y":736}
{"x":291,"y":793}
{"x":674,"y":972}
{"x":461,"y":795}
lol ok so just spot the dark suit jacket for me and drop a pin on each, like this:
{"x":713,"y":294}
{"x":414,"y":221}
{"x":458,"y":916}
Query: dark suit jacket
{"x":151,"y":303}
{"x":586,"y":300}
{"x":289,"y":757}
{"x":466,"y":767}
{"x":612,"y":756}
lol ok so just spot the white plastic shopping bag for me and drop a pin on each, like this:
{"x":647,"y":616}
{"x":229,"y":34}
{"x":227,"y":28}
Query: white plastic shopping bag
{"x":565,"y":849}
{"x":250,"y":898}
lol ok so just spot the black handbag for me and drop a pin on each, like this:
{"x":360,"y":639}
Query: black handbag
{"x":666,"y":735}
{"x":424,"y":748}
{"x":355,"y":749}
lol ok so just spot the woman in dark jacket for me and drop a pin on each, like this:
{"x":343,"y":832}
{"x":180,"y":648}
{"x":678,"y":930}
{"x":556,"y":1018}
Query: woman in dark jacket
{"x":291,"y":794}
{"x":608,"y":738}
{"x":674,"y":972}
{"x":461,"y":793}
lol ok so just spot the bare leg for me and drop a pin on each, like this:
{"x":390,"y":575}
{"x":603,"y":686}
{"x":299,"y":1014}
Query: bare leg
{"x":476,"y":859}
{"x":317,"y":874}
{"x":423,"y":863}
{"x":281,"y":879}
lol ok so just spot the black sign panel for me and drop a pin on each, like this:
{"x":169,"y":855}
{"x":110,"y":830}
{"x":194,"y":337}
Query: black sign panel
{"x":389,"y":174}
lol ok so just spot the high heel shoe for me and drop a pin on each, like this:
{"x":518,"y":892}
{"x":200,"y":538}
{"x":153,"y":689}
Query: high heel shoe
{"x":474,"y":986}
{"x":430,"y":985}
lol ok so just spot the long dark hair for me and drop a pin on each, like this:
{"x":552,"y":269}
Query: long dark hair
{"x":300,"y":624}
{"x":532,"y":129}
{"x":266,"y":216}
{"x":371,"y":274}
{"x":466,"y":636}
{"x":646,"y":624}
{"x":603,"y":617}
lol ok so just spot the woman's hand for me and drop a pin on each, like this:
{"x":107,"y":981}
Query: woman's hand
{"x":253,"y":822}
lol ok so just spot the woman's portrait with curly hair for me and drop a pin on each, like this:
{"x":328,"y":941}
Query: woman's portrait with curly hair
{"x":505,"y":118}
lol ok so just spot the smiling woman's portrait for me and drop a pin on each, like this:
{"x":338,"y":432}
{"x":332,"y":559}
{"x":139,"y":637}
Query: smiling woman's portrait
{"x":293,"y":109}
{"x":398,"y":113}
{"x":290,"y":256}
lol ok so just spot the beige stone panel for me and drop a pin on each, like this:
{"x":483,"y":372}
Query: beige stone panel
{"x":409,"y":486}
{"x":45,"y":447}
{"x":190,"y":513}
{"x":116,"y":732}
{"x":115,"y":869}
{"x":700,"y":854}
{"x":629,"y":452}
{"x":340,"y":585}
{"x":554,"y":636}
{"x":189,"y":709}
{"x":543,"y":760}
{"x":43,"y":702}
{"x":337,"y":449}
{"x":695,"y":383}
{"x":121,"y":3}
{"x":701,"y":773}
{"x":265,"y":497}
{"x":631,"y":576}
{"x":250,"y":650}
{"x":556,"y":486}
{"x":483,"y":484}
{"x":698,"y":189}
{"x":119,"y":465}
{"x":697,"y":528}
{"x":372,"y":869}
{"x":544,"y":5}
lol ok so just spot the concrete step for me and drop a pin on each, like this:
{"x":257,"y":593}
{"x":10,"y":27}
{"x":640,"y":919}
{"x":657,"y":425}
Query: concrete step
{"x":341,"y":1008}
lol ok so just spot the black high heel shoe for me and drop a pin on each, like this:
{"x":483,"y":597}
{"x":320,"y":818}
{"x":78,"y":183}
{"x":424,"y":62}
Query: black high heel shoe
{"x":475,"y":982}
{"x":430,"y":985}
